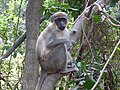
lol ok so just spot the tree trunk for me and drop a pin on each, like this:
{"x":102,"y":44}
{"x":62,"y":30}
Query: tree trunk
{"x":32,"y":31}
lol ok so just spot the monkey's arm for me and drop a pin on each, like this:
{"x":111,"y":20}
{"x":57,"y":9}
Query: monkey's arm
{"x":55,"y":42}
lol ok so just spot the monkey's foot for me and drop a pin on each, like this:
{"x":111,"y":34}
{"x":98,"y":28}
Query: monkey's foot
{"x":69,"y":70}
{"x":70,"y":64}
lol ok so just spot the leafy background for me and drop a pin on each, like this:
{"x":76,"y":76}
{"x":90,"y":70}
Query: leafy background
{"x":89,"y":56}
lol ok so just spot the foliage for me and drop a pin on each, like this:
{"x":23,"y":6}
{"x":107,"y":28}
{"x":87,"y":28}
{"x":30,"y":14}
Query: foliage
{"x":89,"y":55}
{"x":12,"y":26}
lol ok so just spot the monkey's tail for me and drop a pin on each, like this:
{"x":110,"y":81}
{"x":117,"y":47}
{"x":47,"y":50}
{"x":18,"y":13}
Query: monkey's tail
{"x":41,"y":80}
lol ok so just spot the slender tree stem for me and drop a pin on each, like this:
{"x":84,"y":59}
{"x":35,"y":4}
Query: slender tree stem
{"x":102,"y":71}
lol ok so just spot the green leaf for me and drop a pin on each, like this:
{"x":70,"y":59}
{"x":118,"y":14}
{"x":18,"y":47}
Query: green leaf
{"x":15,"y":54}
{"x":79,"y":64}
{"x":89,"y":82}
{"x":75,"y":88}
{"x":66,"y":6}
{"x":113,"y":2}
{"x":71,"y":82}
{"x":83,"y":66}
{"x":63,"y":79}
{"x":96,"y":19}
{"x":53,"y":9}
{"x":56,"y":4}
{"x":61,"y":88}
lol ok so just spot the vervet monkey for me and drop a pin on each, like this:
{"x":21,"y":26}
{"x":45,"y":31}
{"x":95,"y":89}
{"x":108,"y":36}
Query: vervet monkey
{"x":53,"y":48}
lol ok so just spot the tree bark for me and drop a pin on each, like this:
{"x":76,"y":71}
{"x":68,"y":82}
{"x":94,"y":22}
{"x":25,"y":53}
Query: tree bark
{"x":32,"y":31}
{"x":81,"y":21}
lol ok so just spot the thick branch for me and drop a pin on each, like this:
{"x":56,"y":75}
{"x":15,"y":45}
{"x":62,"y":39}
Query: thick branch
{"x":11,"y":49}
{"x":81,"y":21}
{"x":16,"y":44}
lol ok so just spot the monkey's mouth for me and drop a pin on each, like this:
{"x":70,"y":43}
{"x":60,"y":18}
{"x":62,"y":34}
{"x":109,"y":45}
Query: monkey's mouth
{"x":61,"y":28}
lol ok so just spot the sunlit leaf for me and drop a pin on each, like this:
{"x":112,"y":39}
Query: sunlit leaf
{"x":89,"y":82}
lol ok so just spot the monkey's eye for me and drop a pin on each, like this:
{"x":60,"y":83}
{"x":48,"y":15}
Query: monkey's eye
{"x":61,"y":19}
{"x":61,"y":23}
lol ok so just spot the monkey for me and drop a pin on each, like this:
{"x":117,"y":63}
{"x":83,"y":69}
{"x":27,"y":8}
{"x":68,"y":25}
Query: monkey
{"x":53,"y":48}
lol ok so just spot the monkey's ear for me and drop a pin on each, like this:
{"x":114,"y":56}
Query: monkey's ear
{"x":52,"y":18}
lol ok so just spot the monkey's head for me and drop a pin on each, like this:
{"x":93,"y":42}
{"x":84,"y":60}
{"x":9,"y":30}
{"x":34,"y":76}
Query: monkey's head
{"x":60,"y":20}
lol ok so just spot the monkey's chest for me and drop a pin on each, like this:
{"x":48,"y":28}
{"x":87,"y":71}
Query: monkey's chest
{"x":64,"y":35}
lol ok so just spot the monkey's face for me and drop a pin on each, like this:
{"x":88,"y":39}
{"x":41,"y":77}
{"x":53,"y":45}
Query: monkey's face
{"x":61,"y":23}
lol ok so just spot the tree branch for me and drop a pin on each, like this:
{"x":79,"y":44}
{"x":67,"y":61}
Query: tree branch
{"x":102,"y":71}
{"x":108,"y":17}
{"x":1,"y":78}
{"x":16,"y":44}
{"x":82,"y":20}
{"x":11,"y":49}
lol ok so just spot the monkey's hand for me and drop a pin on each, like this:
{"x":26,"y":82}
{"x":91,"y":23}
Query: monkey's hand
{"x":72,"y":68}
{"x":68,"y":45}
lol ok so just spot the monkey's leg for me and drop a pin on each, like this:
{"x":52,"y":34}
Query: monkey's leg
{"x":41,"y":80}
{"x":70,"y":66}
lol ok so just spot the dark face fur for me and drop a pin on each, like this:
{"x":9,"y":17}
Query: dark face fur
{"x":61,"y":23}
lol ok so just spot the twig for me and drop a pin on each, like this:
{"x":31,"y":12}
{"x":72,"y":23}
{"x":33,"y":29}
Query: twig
{"x":87,"y":4}
{"x":1,"y":78}
{"x":108,"y":17}
{"x":102,"y":71}
{"x":87,"y":40}
{"x":18,"y":19}
{"x":68,"y":79}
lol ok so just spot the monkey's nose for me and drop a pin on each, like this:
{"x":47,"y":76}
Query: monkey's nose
{"x":62,"y":28}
